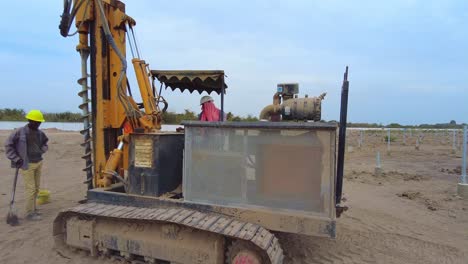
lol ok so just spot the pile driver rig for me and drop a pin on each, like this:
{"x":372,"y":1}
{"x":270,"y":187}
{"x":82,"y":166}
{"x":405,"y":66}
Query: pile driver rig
{"x":214,"y":193}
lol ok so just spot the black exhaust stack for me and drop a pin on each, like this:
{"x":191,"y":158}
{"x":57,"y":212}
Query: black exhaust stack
{"x":341,"y":144}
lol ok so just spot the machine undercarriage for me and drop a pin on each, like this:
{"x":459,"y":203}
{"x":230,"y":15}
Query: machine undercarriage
{"x":170,"y":234}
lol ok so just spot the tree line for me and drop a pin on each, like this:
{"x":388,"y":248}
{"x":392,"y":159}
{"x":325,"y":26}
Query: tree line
{"x":13,"y":114}
{"x":176,"y":118}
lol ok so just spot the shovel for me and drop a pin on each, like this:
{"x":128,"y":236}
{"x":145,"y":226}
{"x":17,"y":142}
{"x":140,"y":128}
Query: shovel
{"x":12,"y":218}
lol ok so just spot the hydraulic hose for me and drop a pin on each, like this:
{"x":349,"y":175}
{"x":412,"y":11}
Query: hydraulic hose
{"x":110,"y":39}
{"x":67,"y":16}
{"x":65,"y":22}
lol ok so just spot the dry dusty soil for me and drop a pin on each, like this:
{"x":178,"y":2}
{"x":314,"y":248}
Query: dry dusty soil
{"x":408,"y":214}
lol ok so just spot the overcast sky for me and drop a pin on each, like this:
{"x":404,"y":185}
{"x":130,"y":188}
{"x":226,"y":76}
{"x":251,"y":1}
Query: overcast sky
{"x":407,"y":59}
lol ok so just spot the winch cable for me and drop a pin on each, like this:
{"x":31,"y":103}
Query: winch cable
{"x":130,"y":42}
{"x":135,"y":41}
{"x":82,"y":20}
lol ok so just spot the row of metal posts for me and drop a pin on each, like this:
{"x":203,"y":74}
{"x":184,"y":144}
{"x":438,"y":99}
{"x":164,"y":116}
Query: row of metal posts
{"x":455,"y":142}
{"x":463,"y":178}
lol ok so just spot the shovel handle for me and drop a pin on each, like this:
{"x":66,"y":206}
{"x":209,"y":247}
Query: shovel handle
{"x":15,"y":180}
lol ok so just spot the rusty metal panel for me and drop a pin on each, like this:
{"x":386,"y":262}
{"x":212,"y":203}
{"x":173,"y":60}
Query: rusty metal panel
{"x":282,"y":167}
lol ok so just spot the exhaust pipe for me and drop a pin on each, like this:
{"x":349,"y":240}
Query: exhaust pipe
{"x":270,"y":110}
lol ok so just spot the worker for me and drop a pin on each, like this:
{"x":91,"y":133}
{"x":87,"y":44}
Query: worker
{"x":209,"y":110}
{"x":24,"y":147}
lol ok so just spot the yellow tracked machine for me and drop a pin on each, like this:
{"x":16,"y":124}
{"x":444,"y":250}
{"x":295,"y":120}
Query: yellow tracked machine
{"x":214,"y":192}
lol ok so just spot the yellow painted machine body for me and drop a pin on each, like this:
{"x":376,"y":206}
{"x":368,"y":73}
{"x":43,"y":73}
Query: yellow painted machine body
{"x":151,"y":195}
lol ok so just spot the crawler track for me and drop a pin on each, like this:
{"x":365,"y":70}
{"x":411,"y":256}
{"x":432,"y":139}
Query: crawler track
{"x":209,"y":222}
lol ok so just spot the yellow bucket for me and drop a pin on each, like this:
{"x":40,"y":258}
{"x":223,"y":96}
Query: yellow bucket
{"x":43,"y":196}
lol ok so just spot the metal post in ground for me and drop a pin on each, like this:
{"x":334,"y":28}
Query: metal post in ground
{"x":404,"y":136}
{"x":454,"y":143}
{"x":462,"y":188}
{"x":378,"y":167}
{"x":463,"y":176}
{"x":442,"y":138}
{"x":388,"y":141}
{"x":360,"y":139}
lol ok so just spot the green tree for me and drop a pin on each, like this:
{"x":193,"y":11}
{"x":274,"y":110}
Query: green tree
{"x":12,"y":114}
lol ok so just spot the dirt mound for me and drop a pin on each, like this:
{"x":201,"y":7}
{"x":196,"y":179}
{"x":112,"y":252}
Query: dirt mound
{"x":409,"y":195}
{"x":457,"y":170}
{"x":384,"y":177}
{"x":415,"y":195}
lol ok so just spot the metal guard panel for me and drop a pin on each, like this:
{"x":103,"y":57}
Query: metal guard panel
{"x":201,"y":81}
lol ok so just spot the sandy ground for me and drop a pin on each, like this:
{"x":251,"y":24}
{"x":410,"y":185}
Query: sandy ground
{"x":409,"y":214}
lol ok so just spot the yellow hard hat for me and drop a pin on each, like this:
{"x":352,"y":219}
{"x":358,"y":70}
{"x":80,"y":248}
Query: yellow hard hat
{"x":35,"y":115}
